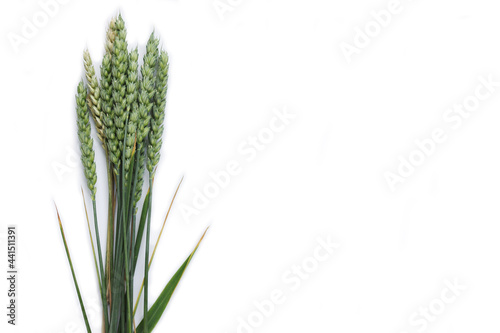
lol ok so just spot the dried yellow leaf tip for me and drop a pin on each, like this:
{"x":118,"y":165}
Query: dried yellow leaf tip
{"x":58,"y":217}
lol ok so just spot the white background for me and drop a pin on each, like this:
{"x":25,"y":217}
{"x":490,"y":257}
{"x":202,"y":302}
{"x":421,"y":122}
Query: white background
{"x":322,"y":176}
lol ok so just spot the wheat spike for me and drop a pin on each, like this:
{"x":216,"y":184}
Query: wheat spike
{"x":158,"y":113}
{"x":119,"y":70}
{"x":132,"y":109}
{"x":94,"y":97}
{"x":86,"y":142}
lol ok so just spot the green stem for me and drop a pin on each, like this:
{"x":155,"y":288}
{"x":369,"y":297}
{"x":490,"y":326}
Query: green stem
{"x":124,"y":212}
{"x":127,"y":277}
{"x":146,"y":265}
{"x":126,"y":259}
{"x":132,"y":213}
{"x":99,"y":252}
{"x":109,"y":241}
{"x":140,"y":230}
{"x":117,"y":282}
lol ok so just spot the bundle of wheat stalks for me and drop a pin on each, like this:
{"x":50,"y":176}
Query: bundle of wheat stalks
{"x":127,"y":106}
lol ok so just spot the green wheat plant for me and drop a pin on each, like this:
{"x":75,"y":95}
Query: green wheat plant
{"x":127,"y":107}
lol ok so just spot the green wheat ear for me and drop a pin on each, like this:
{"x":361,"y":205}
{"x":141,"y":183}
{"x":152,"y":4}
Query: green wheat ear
{"x":158,"y":113}
{"x":94,"y":97}
{"x":107,"y":94}
{"x":86,"y":142}
{"x":147,"y":86}
{"x":147,"y":91}
{"x":132,"y":109}
{"x":119,"y":69}
{"x":107,"y":107}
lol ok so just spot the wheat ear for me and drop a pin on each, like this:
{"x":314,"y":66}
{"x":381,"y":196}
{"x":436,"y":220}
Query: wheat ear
{"x":158,"y":113}
{"x":94,"y":97}
{"x":86,"y":142}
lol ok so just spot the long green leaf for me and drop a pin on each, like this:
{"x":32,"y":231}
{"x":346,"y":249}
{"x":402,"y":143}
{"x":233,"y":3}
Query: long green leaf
{"x":159,"y":306}
{"x":157,"y":241}
{"x":84,"y":313}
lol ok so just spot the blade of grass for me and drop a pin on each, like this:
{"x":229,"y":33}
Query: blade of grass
{"x":156,"y":311}
{"x":158,"y":241}
{"x":91,"y":240}
{"x":165,"y":220}
{"x":84,"y":313}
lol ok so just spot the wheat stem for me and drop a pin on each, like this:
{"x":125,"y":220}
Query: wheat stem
{"x":146,"y":266}
{"x":103,"y":282}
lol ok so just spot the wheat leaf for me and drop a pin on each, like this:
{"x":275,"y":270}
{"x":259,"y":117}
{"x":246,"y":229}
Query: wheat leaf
{"x":91,"y":240}
{"x":84,"y":313}
{"x":159,"y":306}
